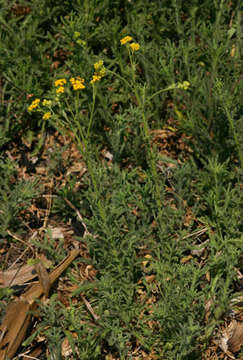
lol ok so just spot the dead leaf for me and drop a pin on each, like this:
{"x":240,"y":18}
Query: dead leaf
{"x":222,"y":341}
{"x":66,"y":347}
{"x":208,"y":309}
{"x":78,"y":167}
{"x":18,"y":276}
{"x":150,"y":278}
{"x":34,"y":354}
{"x":14,"y":327}
{"x":236,"y":340}
{"x":17,"y":318}
{"x":56,"y":232}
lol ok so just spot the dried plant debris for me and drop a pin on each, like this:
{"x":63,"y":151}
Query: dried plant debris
{"x":17,"y":317}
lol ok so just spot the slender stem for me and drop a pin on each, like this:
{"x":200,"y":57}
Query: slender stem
{"x":171,"y":87}
{"x":87,"y":154}
{"x":120,"y":77}
{"x":133,"y":66}
{"x":141,"y":99}
{"x":92,"y":110}
{"x":151,"y":154}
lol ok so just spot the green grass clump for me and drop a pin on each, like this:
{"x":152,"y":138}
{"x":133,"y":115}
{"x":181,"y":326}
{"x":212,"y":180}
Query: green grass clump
{"x":156,"y":86}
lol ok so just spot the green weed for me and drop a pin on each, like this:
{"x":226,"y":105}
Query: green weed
{"x":165,"y":235}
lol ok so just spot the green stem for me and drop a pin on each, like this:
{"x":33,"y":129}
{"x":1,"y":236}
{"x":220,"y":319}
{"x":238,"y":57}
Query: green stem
{"x":78,"y":125}
{"x":84,"y":150}
{"x":171,"y":87}
{"x":120,"y":77}
{"x":92,"y":110}
{"x":141,"y":104}
{"x":150,"y":151}
{"x":87,"y":156}
{"x":133,"y":67}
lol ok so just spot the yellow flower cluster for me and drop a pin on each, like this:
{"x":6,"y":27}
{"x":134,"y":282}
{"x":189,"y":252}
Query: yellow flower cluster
{"x":79,"y":41}
{"x":77,"y":83}
{"x":34,"y":104}
{"x":134,"y":46}
{"x":95,"y":78}
{"x":46,"y":103}
{"x":185,"y":85}
{"x":60,"y":82}
{"x":46,"y":116}
{"x":98,"y":65}
{"x":125,"y":40}
{"x":59,"y":85}
{"x":60,"y":90}
{"x":99,"y":72}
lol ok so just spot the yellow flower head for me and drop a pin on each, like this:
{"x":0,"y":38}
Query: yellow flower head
{"x":134,"y":46}
{"x":98,"y":65}
{"x":34,"y":104}
{"x":95,"y":79}
{"x":46,"y":116}
{"x":60,"y":82}
{"x":99,"y":72}
{"x":46,"y":102}
{"x":78,"y":86}
{"x":77,"y":83}
{"x":60,"y":90}
{"x":125,"y":40}
{"x":185,"y":85}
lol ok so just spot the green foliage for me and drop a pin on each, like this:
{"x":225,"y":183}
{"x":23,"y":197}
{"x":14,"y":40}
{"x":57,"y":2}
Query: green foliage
{"x":16,"y":195}
{"x":47,"y":246}
{"x":143,"y":208}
